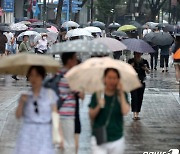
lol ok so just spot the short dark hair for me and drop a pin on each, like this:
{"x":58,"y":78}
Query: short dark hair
{"x":62,"y":29}
{"x":67,"y":56}
{"x":114,"y":70}
{"x":25,"y":36}
{"x":39,"y":69}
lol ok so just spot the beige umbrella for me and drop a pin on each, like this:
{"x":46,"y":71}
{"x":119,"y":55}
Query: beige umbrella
{"x":19,"y":64}
{"x":88,"y":76}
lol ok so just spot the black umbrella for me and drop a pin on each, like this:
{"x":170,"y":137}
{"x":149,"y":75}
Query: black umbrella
{"x":40,"y":24}
{"x":135,"y":23}
{"x":162,"y":39}
{"x":114,"y":26}
{"x":138,"y":45}
{"x":169,"y":28}
{"x":3,"y":24}
{"x":119,"y":34}
{"x":99,"y":24}
{"x":4,"y":28}
{"x":148,"y":37}
{"x":40,"y":30}
{"x":162,"y":25}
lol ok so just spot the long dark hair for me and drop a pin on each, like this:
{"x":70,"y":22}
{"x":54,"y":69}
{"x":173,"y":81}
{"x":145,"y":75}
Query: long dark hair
{"x":112,"y":69}
{"x":39,"y":69}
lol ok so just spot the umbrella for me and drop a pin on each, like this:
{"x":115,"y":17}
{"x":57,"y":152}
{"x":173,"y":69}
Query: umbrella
{"x":69,"y":24}
{"x":162,"y":25}
{"x":93,"y":29}
{"x":51,"y":37}
{"x":169,"y":28}
{"x":32,"y":34}
{"x":162,"y":39}
{"x":18,"y":27}
{"x":25,"y":22}
{"x":114,"y":25}
{"x":4,"y":28}
{"x":4,"y":24}
{"x":39,"y":24}
{"x":149,"y":36}
{"x":88,"y":76}
{"x":83,"y":46}
{"x":99,"y":24}
{"x":119,"y":34}
{"x":136,"y":24}
{"x":113,"y":44}
{"x":53,"y":29}
{"x":127,"y":28}
{"x":138,"y":45}
{"x":40,"y":30}
{"x":151,"y":25}
{"x":78,"y":32}
{"x":19,"y":64}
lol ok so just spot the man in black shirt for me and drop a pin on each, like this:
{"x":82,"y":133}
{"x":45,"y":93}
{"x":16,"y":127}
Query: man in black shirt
{"x":142,"y":67}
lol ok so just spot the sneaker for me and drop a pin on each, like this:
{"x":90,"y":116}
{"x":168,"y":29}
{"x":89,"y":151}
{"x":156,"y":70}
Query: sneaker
{"x":155,"y":69}
{"x":166,"y":70}
{"x":177,"y":82}
{"x":15,"y":78}
{"x":163,"y":71}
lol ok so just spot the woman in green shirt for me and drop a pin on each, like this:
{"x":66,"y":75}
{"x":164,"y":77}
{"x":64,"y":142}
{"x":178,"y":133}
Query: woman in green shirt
{"x":100,"y":112}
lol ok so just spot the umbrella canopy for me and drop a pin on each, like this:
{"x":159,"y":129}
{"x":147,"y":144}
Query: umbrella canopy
{"x":88,"y":76}
{"x":19,"y":64}
{"x":92,"y":29}
{"x":53,"y":29}
{"x":149,"y":36}
{"x":4,"y":28}
{"x":78,"y":32}
{"x":114,"y":25}
{"x":25,"y":22}
{"x":162,"y":25}
{"x":119,"y":34}
{"x":40,"y":30}
{"x":138,"y":45}
{"x":18,"y":27}
{"x":51,"y":37}
{"x":39,"y":24}
{"x":127,"y":28}
{"x":69,"y":24}
{"x":162,"y":39}
{"x":169,"y":28}
{"x":83,"y":46}
{"x":113,"y":44}
{"x":99,"y":24}
{"x":136,"y":24}
{"x":31,"y":34}
{"x":151,"y":25}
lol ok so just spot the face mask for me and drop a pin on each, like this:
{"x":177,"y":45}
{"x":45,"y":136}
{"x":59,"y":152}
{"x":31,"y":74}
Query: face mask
{"x":44,"y":37}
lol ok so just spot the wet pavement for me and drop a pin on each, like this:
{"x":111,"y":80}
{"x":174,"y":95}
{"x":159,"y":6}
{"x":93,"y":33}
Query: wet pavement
{"x":158,"y":129}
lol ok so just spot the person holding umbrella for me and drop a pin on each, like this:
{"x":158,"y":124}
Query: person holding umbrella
{"x":142,"y":67}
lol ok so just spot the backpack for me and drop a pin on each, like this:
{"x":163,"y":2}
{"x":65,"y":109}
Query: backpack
{"x":52,"y":83}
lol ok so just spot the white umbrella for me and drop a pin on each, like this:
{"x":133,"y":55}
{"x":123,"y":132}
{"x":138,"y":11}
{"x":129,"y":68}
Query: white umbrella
{"x":88,"y":76}
{"x":31,"y":34}
{"x":93,"y":29}
{"x":68,"y":24}
{"x":18,"y":27}
{"x":51,"y":37}
{"x":115,"y":23}
{"x":78,"y":32}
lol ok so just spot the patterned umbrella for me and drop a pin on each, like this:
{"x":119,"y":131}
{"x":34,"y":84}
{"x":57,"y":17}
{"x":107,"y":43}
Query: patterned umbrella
{"x":138,"y":45}
{"x":83,"y":46}
{"x":162,"y":39}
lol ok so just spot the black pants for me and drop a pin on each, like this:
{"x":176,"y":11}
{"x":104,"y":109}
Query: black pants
{"x":164,"y":59}
{"x":154,"y":59}
{"x":137,"y":98}
{"x":77,"y":117}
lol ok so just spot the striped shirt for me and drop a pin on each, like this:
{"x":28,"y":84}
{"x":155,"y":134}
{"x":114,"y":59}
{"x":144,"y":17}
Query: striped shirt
{"x":67,"y":95}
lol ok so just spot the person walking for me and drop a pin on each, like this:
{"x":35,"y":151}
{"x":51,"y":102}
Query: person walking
{"x":164,"y":57}
{"x":174,"y":49}
{"x":36,"y":107}
{"x":154,"y":57}
{"x":25,"y":46}
{"x":109,"y":112}
{"x":42,"y":44}
{"x":67,"y":111}
{"x":3,"y":41}
{"x":142,"y":67}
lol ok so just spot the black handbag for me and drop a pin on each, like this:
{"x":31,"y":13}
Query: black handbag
{"x":101,"y":132}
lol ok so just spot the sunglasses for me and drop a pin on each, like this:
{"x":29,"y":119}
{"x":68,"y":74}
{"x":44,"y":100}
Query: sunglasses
{"x":36,"y":107}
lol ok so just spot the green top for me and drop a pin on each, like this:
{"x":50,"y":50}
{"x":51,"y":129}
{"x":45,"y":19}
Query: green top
{"x":115,"y":126}
{"x":24,"y":47}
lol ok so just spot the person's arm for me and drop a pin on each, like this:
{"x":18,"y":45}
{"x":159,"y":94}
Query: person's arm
{"x":21,"y":47}
{"x":146,"y":67}
{"x":125,"y":107}
{"x":95,"y":107}
{"x":19,"y":110}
